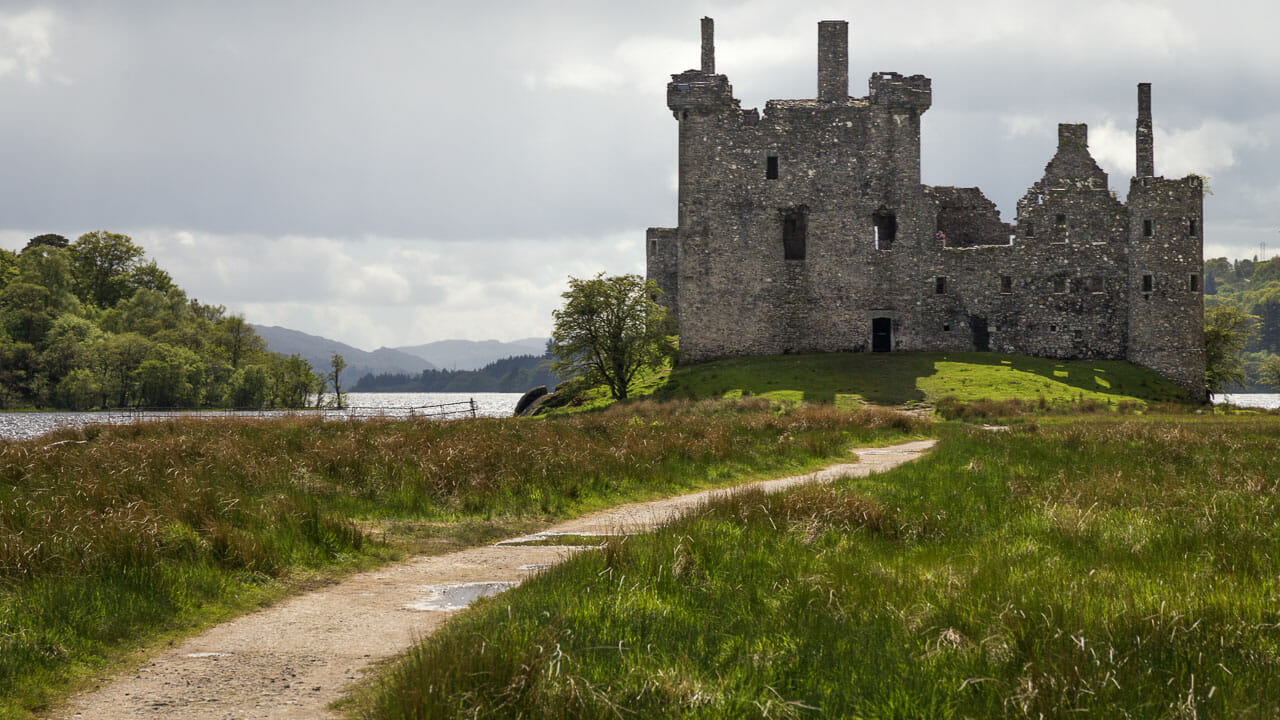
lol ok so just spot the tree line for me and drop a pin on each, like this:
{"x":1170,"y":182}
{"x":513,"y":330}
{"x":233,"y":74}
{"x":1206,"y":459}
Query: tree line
{"x":1242,"y":324}
{"x":94,"y":324}
{"x":513,"y":374}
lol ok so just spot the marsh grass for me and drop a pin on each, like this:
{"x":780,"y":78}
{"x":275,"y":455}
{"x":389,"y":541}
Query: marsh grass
{"x":113,"y":535}
{"x":1103,"y":567}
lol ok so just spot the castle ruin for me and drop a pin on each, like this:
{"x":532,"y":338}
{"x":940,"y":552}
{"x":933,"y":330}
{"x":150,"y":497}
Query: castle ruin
{"x":807,"y":229}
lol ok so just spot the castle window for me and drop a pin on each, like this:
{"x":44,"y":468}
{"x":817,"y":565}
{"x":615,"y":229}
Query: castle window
{"x":886,"y":228}
{"x":1060,"y":285}
{"x":1029,"y":230}
{"x":1195,"y":283}
{"x":1053,"y":328}
{"x":1148,"y":283}
{"x":1191,"y":227}
{"x":795,"y":229}
{"x":653,"y":247}
{"x":940,"y":285}
{"x":1060,"y":220}
{"x":1077,"y":334}
{"x":771,"y":167}
{"x":1006,"y":284}
{"x":1096,"y":284}
{"x":946,"y":327}
{"x":1148,"y":228}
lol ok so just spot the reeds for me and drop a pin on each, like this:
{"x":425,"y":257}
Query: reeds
{"x":1104,"y":567}
{"x":110,"y":533}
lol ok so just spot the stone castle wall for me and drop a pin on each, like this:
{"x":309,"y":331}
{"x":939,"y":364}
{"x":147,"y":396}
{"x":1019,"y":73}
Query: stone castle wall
{"x":807,"y":229}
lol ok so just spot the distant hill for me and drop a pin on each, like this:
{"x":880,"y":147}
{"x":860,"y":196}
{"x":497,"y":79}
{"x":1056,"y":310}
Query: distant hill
{"x":318,"y":351}
{"x":514,"y":374}
{"x":474,"y":354}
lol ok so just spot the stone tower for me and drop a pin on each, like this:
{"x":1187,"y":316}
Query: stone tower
{"x":807,"y":229}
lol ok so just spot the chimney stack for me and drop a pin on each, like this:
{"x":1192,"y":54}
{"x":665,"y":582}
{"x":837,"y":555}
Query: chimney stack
{"x":708,"y":46}
{"x":1146,"y":166}
{"x":833,"y":61}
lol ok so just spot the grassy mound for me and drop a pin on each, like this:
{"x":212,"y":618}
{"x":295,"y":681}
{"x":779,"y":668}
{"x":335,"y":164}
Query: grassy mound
{"x":906,"y":379}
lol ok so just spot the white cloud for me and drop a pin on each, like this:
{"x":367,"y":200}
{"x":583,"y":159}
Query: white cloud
{"x":26,"y":44}
{"x":1211,"y":147}
{"x":375,"y":291}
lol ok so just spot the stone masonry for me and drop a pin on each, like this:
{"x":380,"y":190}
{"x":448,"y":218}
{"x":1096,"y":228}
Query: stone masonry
{"x":806,"y":228}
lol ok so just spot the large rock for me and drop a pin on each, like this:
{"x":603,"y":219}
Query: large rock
{"x":527,"y":399}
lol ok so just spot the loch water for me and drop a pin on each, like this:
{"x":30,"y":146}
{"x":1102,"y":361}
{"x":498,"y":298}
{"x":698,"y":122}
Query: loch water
{"x":22,"y":425}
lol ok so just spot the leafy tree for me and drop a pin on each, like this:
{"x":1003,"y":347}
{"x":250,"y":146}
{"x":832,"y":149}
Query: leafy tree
{"x":47,"y":240}
{"x":17,"y":371}
{"x":250,"y":387}
{"x":238,"y":340}
{"x":101,"y":263}
{"x":150,"y":276}
{"x":610,"y":329}
{"x":81,"y":389}
{"x":1270,"y":372}
{"x":337,"y":365}
{"x":118,"y":357}
{"x":50,"y":268}
{"x":26,"y":311}
{"x":170,"y":377}
{"x":68,"y":346}
{"x":1226,"y":331}
{"x":8,"y":267}
{"x":294,"y":381}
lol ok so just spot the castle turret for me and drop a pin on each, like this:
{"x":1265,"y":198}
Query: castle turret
{"x":1146,"y":165}
{"x":833,"y":61}
{"x":1166,"y":256}
{"x":708,"y":46}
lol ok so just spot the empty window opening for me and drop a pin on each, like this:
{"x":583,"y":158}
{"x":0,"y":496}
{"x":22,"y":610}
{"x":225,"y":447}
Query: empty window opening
{"x":653,"y":247}
{"x":1097,"y":284}
{"x":1077,"y":334}
{"x":1053,"y":328}
{"x":1148,"y":228}
{"x":946,"y":327}
{"x":1060,"y":285}
{"x":940,"y":285}
{"x":886,"y":228}
{"x":1060,"y":220}
{"x":1195,"y":283}
{"x":1148,"y":283}
{"x":1006,"y":284}
{"x":795,"y":228}
{"x":1192,"y":228}
{"x":1030,"y":230}
{"x":771,"y":167}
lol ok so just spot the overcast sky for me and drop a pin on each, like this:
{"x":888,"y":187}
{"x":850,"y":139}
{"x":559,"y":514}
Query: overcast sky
{"x":392,"y":173}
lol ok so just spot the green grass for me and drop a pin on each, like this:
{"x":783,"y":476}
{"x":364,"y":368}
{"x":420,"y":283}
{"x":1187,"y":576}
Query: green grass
{"x":961,"y":383}
{"x":1109,"y":567}
{"x":116,"y":536}
{"x":917,"y":378}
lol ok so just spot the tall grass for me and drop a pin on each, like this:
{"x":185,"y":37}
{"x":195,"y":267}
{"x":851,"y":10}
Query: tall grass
{"x":1113,"y":568}
{"x":111,"y":534}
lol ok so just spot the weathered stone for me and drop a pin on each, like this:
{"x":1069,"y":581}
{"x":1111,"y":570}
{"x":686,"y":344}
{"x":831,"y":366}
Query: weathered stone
{"x":527,"y":399}
{"x":807,"y":229}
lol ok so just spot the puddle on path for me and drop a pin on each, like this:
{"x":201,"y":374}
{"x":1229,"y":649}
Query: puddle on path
{"x":456,"y":596}
{"x":555,"y":539}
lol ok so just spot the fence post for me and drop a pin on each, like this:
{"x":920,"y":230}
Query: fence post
{"x":473,"y":407}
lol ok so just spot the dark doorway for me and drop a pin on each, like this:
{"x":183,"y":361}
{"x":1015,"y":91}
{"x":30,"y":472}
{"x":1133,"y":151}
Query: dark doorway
{"x":881,"y":334}
{"x":981,"y":338}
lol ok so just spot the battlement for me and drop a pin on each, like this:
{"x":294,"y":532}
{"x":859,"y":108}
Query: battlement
{"x":695,"y":90}
{"x":891,"y":88}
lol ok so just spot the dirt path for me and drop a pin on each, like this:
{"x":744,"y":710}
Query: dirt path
{"x":292,"y":659}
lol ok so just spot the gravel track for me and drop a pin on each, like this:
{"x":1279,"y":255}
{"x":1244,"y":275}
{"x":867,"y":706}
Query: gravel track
{"x":293,"y":659}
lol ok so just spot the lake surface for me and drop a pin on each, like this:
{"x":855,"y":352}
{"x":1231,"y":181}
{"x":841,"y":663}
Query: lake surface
{"x":18,"y":426}
{"x":1261,"y":400}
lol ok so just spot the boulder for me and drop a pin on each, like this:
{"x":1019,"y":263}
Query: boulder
{"x":527,"y":399}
